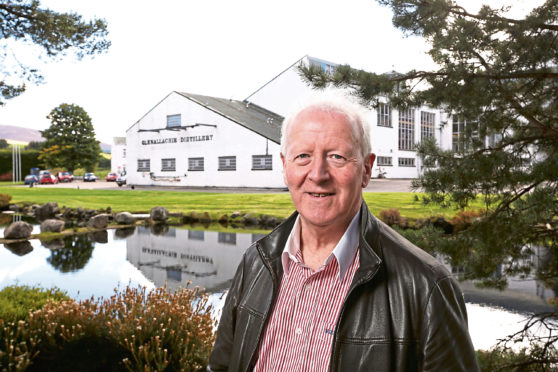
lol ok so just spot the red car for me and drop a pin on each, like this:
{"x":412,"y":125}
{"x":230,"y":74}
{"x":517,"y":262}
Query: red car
{"x":48,"y":178}
{"x":111,"y":177}
{"x":64,"y":177}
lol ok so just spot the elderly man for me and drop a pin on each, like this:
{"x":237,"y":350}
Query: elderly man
{"x":333,"y":288}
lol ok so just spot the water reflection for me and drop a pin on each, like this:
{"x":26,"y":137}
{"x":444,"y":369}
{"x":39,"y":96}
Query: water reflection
{"x":74,"y":255}
{"x":19,"y":248}
{"x":207,"y":259}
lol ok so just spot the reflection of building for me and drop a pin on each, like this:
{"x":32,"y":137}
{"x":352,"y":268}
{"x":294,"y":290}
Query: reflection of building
{"x":206,"y":258}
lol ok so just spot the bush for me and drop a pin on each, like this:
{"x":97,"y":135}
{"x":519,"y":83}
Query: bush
{"x":132,"y":330}
{"x":392,"y":217}
{"x":4,"y":200}
{"x":463,"y":219}
{"x":17,"y":301}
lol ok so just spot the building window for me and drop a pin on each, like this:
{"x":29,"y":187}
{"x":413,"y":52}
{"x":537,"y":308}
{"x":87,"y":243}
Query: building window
{"x":174,"y":274}
{"x":261,"y":162}
{"x":459,"y":127}
{"x":227,"y":163}
{"x":168,"y":165}
{"x":195,"y":235}
{"x":426,"y":125}
{"x":174,"y":121}
{"x":384,"y":115}
{"x":195,"y":164}
{"x":406,"y":162}
{"x":384,"y":161}
{"x":123,"y":153}
{"x":144,"y":165}
{"x":406,"y":129}
{"x":226,"y":238}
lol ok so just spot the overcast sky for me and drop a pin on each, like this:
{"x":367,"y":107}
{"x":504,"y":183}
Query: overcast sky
{"x":213,"y":47}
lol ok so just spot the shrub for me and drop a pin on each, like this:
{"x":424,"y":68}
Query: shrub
{"x":132,"y":330}
{"x":4,"y":200}
{"x":17,"y":301}
{"x":392,"y":217}
{"x":463,"y":219}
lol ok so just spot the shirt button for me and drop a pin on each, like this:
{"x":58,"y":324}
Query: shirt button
{"x":298,"y":331}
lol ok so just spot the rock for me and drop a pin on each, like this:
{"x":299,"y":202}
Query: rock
{"x":159,"y":214}
{"x":272,"y":221}
{"x":14,"y":208}
{"x":68,"y":213}
{"x":236,"y":214}
{"x":204,"y":217}
{"x":52,"y":225}
{"x":99,"y":221}
{"x":223,"y":219}
{"x":18,"y":230}
{"x":46,"y":211}
{"x":124,"y":218}
{"x":250,"y":219}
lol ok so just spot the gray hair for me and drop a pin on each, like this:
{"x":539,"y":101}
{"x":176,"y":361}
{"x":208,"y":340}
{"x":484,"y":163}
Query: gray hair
{"x":333,"y":101}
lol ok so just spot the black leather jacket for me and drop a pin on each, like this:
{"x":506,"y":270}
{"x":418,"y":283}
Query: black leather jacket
{"x":403,"y":311}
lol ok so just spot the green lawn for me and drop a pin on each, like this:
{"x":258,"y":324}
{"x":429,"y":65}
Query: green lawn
{"x":275,"y":204}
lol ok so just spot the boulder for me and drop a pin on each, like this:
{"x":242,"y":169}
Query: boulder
{"x":46,"y":211}
{"x":14,"y":208}
{"x":236,"y":214}
{"x":18,"y":230}
{"x":159,"y":214}
{"x":250,"y":219}
{"x":52,"y":225}
{"x":124,"y":218}
{"x":99,"y":221}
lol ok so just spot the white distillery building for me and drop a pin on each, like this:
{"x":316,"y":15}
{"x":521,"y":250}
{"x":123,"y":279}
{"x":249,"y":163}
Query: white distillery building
{"x":200,"y":141}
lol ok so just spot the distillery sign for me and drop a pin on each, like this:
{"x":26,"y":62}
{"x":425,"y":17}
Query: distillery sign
{"x":159,"y":141}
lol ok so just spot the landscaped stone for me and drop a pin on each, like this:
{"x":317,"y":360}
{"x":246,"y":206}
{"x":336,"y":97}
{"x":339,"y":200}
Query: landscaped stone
{"x":250,"y":219}
{"x":46,"y":211}
{"x":159,"y":214}
{"x":236,"y":214}
{"x":223,"y":219}
{"x":99,"y":221}
{"x":52,"y":225}
{"x":14,"y":208}
{"x":124,"y":218}
{"x":18,"y":230}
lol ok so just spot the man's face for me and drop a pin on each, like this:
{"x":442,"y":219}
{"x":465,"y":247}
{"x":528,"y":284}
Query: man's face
{"x":324,"y":169}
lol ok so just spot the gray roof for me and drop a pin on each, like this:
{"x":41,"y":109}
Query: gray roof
{"x":247,"y":114}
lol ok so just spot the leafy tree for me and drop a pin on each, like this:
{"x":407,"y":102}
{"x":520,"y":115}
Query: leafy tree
{"x":500,"y":75}
{"x":26,"y":22}
{"x":70,"y":139}
{"x":34,"y":145}
{"x":4,"y":144}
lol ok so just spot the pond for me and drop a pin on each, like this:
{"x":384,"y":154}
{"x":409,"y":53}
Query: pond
{"x":96,"y":264}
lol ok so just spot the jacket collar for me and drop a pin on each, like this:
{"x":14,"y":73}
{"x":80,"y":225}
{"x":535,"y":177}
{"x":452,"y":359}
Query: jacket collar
{"x":271,"y":246}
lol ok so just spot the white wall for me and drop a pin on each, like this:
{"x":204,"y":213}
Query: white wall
{"x":227,"y":139}
{"x":118,"y":157}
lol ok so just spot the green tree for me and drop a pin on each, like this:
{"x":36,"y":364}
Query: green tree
{"x":70,"y":139}
{"x":4,"y":144}
{"x":500,"y":75}
{"x":34,"y":145}
{"x":27,"y":23}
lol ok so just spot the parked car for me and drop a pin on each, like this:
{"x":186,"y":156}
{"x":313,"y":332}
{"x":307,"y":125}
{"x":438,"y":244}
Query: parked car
{"x":48,"y":178}
{"x":89,"y":177}
{"x":111,"y":177}
{"x":121,"y":180}
{"x":64,"y":177}
{"x":31,"y":178}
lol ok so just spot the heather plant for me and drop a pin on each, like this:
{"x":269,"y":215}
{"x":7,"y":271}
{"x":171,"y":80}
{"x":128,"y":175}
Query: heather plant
{"x":17,"y":301}
{"x":133,"y":330}
{"x":392,"y":217}
{"x":4,"y":200}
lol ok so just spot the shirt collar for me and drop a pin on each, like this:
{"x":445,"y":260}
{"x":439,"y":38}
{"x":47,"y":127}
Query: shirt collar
{"x":343,"y":252}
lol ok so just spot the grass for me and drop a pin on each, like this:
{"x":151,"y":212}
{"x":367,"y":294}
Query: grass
{"x":16,"y":301}
{"x":273,"y":204}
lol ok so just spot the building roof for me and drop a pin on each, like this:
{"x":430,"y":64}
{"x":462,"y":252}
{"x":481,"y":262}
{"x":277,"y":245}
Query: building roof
{"x":247,"y":114}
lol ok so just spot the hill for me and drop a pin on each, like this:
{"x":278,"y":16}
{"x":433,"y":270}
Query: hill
{"x":21,"y":135}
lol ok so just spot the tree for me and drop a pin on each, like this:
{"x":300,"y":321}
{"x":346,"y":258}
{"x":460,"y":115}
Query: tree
{"x":70,"y":139}
{"x":500,"y":75}
{"x":26,"y":22}
{"x":34,"y":145}
{"x":4,"y":144}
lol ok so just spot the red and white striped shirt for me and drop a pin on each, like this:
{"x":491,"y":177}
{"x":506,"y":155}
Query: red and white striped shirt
{"x":299,"y":334}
